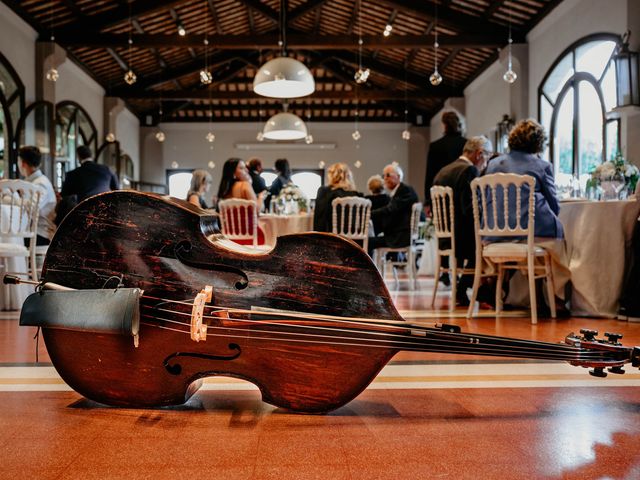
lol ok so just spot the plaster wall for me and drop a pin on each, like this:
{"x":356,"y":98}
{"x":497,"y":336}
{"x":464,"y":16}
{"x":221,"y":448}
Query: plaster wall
{"x":185,"y":144}
{"x":17,"y":44}
{"x":128,"y":134}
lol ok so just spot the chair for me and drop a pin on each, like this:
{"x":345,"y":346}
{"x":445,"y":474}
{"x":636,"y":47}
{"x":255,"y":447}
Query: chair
{"x":442,"y":208}
{"x":351,"y":217}
{"x":411,"y":251}
{"x":239,"y":220}
{"x":19,"y":204}
{"x":489,"y":192}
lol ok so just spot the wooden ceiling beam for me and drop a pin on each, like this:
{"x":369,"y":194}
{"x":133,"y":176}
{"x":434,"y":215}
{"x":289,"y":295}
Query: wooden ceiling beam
{"x":267,"y":11}
{"x":295,"y":41}
{"x":303,"y":9}
{"x":203,"y":94}
{"x":453,"y":18}
{"x":276,"y":106}
{"x":95,"y":23}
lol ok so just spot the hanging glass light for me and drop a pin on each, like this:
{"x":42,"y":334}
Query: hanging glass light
{"x":210,"y":137}
{"x":260,"y":137}
{"x":174,"y":164}
{"x":361,"y":76}
{"x":510,"y":76}
{"x":321,"y":164}
{"x":435,"y":79}
{"x":205,"y":77}
{"x":357,"y":164}
{"x":52,"y":75}
{"x":308,"y":139}
{"x":406,"y":134}
{"x":160,"y":136}
{"x":130,"y":77}
{"x":110,"y":137}
{"x":356,"y":135}
{"x":212,"y":164}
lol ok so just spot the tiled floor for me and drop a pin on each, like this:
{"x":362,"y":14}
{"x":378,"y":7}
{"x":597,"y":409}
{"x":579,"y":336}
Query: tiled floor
{"x":425,"y":416}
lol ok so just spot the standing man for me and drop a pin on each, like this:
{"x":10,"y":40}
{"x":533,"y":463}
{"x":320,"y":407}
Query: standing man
{"x":395,"y":216}
{"x":255,"y":169}
{"x":89,"y":178}
{"x":459,"y":175}
{"x":443,"y":151}
{"x":29,"y":159}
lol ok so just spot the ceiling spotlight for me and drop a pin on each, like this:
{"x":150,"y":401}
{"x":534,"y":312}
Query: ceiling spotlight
{"x":130,"y":77}
{"x":210,"y":137}
{"x":212,"y":165}
{"x":181,"y":30}
{"x":357,"y":164}
{"x":52,"y":75}
{"x":174,"y":164}
{"x":160,"y":136}
{"x":308,"y":139}
{"x":205,"y":77}
{"x":406,"y":134}
{"x":361,"y":76}
{"x":110,"y":137}
{"x":356,"y":135}
{"x":387,"y":30}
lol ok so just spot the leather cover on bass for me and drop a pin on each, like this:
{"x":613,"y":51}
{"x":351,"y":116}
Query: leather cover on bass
{"x":101,"y":311}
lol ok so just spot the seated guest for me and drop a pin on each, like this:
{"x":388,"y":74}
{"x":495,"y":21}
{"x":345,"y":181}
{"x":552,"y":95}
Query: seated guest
{"x":284,"y":178}
{"x":236,"y":182}
{"x":340,"y":184}
{"x":29,"y":159}
{"x":395,"y":217}
{"x":255,"y":169}
{"x":458,"y":175}
{"x":378,"y":198}
{"x":200,"y":185}
{"x":526,"y":141}
{"x":90,"y":178}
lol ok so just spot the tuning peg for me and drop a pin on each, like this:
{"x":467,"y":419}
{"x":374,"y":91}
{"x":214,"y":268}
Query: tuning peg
{"x":613,"y":337}
{"x":589,"y":335}
{"x":618,"y":370}
{"x":598,"y":372}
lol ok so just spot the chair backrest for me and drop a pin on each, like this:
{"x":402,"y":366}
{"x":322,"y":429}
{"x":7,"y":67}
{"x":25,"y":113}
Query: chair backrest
{"x":239,"y":219}
{"x":442,"y":209}
{"x":416,"y":212}
{"x":351,"y":217}
{"x":503,"y":215}
{"x":20,"y":201}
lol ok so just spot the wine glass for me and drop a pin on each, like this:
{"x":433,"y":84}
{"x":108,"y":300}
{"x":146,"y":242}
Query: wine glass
{"x":618,"y":183}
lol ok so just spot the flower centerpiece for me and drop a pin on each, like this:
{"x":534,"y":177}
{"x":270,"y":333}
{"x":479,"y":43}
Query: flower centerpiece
{"x":291,"y":200}
{"x":614,"y":177}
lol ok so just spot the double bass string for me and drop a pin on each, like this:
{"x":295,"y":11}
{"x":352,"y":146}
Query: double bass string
{"x":562,"y":352}
{"x":522,"y":344}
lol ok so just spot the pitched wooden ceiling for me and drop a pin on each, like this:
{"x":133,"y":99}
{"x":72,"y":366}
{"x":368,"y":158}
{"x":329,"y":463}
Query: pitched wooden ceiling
{"x":243,"y":34}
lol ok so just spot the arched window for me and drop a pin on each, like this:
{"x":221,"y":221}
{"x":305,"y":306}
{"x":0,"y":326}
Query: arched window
{"x":11,"y":108}
{"x":575,"y":100}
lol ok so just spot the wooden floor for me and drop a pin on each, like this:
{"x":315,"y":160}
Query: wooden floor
{"x":426,"y":416}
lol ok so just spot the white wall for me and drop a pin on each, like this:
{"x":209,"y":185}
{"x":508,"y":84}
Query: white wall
{"x":381,"y":143}
{"x":487,"y":100}
{"x":128,"y":134}
{"x":74,"y":84}
{"x":17,"y":44}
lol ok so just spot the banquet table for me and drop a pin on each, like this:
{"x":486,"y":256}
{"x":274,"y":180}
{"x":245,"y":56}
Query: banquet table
{"x":275,"y":226}
{"x":598,"y":240}
{"x":12,"y":296}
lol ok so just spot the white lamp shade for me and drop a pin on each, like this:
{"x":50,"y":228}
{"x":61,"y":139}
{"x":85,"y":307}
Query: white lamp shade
{"x":284,"y":126}
{"x":284,"y":77}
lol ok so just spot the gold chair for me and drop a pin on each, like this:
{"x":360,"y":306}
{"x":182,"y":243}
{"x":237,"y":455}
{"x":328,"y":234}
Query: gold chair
{"x":351,"y":217}
{"x":508,"y":191}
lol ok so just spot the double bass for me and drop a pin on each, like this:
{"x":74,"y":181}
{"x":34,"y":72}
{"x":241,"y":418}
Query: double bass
{"x":309,"y":322}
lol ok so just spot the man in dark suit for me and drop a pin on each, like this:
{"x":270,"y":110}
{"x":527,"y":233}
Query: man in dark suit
{"x":254,"y":165}
{"x":443,"y":151}
{"x":395,"y":216}
{"x":459,"y":175}
{"x":89,"y":178}
{"x":83,"y":182}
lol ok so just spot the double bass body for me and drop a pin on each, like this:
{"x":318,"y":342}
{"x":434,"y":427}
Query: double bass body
{"x":169,"y":249}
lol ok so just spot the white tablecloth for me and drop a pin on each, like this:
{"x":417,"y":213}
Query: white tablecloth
{"x":274,"y":226}
{"x":598,"y":238}
{"x":12,"y":296}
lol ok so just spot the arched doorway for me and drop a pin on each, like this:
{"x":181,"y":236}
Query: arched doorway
{"x":11,"y":108}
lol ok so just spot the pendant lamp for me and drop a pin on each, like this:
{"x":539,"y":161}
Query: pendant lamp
{"x":284,"y":126}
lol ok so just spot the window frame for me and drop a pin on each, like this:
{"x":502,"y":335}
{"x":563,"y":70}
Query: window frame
{"x":573,"y":82}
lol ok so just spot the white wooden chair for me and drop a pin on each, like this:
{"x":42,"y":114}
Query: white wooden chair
{"x":501,"y":217}
{"x":351,"y":217}
{"x":239,"y":220}
{"x":20,"y":204}
{"x":442,"y":209}
{"x":411,"y":251}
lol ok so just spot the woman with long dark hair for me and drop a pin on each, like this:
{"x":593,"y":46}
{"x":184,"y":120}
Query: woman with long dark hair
{"x":236,"y":182}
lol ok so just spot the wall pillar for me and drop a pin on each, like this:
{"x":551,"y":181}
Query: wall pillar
{"x":518,"y":90}
{"x":48,"y":55}
{"x":112,"y":107}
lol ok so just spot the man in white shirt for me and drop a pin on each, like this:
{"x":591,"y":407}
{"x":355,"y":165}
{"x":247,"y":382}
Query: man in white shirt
{"x":29,"y":159}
